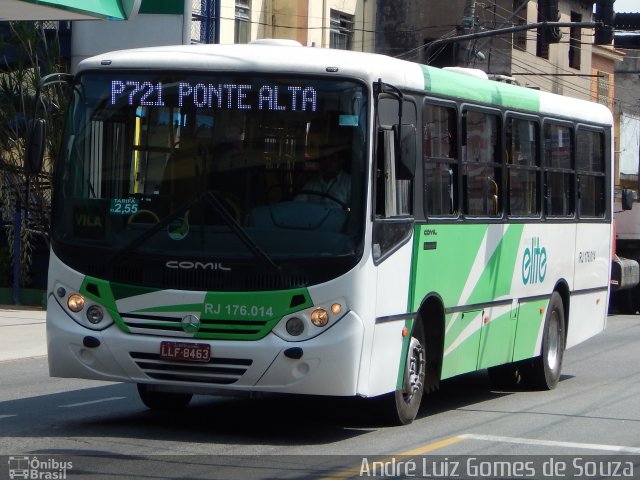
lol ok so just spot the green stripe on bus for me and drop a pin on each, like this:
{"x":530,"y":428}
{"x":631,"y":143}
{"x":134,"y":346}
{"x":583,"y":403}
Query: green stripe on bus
{"x":220,"y":311}
{"x":479,"y":90}
{"x":469,"y":265}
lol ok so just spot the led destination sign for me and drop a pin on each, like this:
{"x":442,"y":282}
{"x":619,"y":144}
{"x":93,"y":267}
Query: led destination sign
{"x":229,"y":96}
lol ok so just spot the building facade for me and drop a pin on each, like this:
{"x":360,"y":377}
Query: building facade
{"x":328,"y":23}
{"x":563,"y":67}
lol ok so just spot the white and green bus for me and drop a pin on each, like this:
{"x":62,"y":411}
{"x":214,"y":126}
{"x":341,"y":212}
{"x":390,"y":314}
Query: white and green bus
{"x":193,"y":251}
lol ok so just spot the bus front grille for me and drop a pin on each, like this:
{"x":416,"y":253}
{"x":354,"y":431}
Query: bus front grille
{"x":218,"y":329}
{"x":217,"y":371}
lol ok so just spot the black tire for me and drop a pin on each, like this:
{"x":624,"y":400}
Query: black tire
{"x":401,"y":407}
{"x":543,"y":372}
{"x":162,"y":400}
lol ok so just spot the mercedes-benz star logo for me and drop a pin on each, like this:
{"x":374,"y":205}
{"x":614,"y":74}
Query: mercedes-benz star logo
{"x":190,"y":323}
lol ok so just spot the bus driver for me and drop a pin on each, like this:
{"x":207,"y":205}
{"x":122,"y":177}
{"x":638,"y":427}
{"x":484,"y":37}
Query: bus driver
{"x":332,"y":183}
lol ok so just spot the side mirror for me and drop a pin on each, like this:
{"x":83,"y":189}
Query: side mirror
{"x":34,"y":151}
{"x":627,"y":199}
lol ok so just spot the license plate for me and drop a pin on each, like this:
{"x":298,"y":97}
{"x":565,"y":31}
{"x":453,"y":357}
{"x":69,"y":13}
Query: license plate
{"x":185,"y":352}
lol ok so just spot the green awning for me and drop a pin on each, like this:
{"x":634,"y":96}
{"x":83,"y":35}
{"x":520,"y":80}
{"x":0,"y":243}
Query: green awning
{"x":108,"y":9}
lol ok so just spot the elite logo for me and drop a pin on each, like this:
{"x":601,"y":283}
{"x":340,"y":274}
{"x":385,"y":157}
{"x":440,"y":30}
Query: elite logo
{"x":534,"y":263}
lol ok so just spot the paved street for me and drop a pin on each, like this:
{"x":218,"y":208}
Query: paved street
{"x":593,"y":412}
{"x":22,"y":333}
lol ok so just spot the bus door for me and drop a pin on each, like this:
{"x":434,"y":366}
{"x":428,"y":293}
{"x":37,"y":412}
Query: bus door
{"x":392,"y":231}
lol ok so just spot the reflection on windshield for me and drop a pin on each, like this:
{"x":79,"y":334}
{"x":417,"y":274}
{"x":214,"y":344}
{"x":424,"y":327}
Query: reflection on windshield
{"x":204,"y":165}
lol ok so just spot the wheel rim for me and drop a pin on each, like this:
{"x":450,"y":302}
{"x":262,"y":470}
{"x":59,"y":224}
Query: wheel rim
{"x":553,"y":341}
{"x":414,"y":370}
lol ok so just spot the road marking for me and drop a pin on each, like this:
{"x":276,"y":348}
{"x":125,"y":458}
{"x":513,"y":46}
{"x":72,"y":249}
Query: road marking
{"x":356,"y":471}
{"x":7,"y":416}
{"x":81,"y":404}
{"x":430,"y":447}
{"x":551,"y":443}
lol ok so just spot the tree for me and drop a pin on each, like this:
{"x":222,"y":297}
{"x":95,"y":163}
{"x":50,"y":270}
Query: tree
{"x":28,"y":52}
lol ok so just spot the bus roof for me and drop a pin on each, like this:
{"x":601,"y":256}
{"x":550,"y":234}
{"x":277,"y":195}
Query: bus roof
{"x":271,"y":57}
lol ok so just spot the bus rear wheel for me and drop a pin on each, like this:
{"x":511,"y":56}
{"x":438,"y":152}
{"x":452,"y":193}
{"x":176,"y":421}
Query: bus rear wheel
{"x":156,"y":400}
{"x":401,"y":406}
{"x":544,"y":371}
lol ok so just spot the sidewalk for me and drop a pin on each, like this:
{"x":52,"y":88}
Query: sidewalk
{"x":22,"y":332}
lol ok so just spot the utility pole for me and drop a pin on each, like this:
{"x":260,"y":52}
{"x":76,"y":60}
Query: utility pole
{"x":467,"y":27}
{"x":500,"y":31}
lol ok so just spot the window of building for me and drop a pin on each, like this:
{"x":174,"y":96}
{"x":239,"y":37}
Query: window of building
{"x":440,"y":160}
{"x":520,"y":18}
{"x":341,"y":30}
{"x":575,"y":42}
{"x":560,"y":177}
{"x":604,"y":87}
{"x":242,"y":22}
{"x":542,"y":44}
{"x":203,"y":21}
{"x":590,"y":164}
{"x":481,"y":164}
{"x":520,"y":38}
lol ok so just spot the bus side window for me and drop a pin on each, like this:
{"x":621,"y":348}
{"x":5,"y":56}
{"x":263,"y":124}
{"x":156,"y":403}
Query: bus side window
{"x":590,"y":168}
{"x":386,"y":204}
{"x":393,"y":223}
{"x":522,"y":167}
{"x":482,"y":164}
{"x":559,"y":170}
{"x":440,"y":160}
{"x":395,"y":160}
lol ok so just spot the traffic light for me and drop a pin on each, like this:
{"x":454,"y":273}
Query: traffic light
{"x":605,"y":17}
{"x":548,"y":12}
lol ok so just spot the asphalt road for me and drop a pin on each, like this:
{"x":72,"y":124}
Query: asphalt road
{"x":106,"y":432}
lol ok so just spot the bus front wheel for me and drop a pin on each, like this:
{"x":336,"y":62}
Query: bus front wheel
{"x":401,"y":406}
{"x":156,"y":400}
{"x":544,"y":371}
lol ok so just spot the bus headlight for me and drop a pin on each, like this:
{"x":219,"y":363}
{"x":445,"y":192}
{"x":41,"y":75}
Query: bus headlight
{"x":82,"y":309}
{"x":311,"y":322}
{"x":95,"y":314}
{"x":75,"y":302}
{"x":320,"y":317}
{"x":295,"y":326}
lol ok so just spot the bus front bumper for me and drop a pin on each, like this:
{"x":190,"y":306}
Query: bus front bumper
{"x":328,"y":364}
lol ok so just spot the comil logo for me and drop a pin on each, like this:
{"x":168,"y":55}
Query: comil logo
{"x":534,"y":263}
{"x":186,"y":265}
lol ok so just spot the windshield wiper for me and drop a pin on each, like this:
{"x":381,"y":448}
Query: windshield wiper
{"x":233,"y":224}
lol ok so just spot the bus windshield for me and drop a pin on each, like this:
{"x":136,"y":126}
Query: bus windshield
{"x":207,"y":166}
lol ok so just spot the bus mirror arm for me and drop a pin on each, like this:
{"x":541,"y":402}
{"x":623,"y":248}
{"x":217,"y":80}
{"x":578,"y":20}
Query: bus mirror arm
{"x":36,"y":127}
{"x":35,"y":146}
{"x":380,"y":87}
